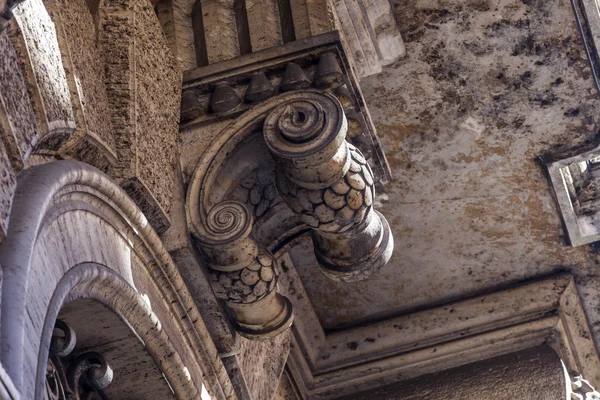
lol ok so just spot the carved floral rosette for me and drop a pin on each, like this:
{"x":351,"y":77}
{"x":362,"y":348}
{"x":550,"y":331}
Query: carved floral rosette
{"x":328,"y":183}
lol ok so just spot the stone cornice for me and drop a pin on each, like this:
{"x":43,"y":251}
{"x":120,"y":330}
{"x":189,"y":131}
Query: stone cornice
{"x":326,"y":365}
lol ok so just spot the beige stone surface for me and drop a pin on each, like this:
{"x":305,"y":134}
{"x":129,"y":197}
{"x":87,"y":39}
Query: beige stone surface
{"x":262,"y":364}
{"x":221,"y":32}
{"x":530,"y":374}
{"x":79,"y":41}
{"x":144,"y":90}
{"x":264,"y":24}
{"x":8,"y":184}
{"x":18,"y":127}
{"x":46,"y":63}
{"x":176,"y":19}
{"x":485,"y":91}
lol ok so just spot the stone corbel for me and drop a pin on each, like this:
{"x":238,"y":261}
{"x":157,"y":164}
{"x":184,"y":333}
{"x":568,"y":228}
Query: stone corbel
{"x":243,"y":273}
{"x":329,"y":184}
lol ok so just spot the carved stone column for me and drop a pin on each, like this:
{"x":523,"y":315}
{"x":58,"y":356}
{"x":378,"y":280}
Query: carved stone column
{"x":243,"y":273}
{"x":329,"y":184}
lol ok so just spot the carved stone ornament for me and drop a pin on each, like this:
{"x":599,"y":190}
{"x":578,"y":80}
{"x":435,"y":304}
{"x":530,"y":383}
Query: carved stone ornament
{"x":581,"y":389}
{"x":287,"y":163}
{"x":329,"y":184}
{"x":244,"y":275}
{"x":83,"y":378}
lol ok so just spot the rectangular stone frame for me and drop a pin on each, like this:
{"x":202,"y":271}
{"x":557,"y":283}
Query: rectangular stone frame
{"x":564,"y":200}
{"x":328,"y":365}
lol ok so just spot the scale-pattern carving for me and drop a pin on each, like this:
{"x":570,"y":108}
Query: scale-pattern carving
{"x":258,"y":191}
{"x":338,"y":207}
{"x":243,"y":274}
{"x":327,"y":182}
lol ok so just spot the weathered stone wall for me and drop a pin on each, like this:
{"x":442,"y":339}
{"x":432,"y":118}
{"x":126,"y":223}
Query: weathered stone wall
{"x":531,"y":374}
{"x":487,"y":89}
{"x":98,"y":85}
{"x":144,"y":89}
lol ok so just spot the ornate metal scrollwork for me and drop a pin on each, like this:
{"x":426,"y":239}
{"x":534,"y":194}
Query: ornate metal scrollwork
{"x":244,"y":275}
{"x":328,"y":183}
{"x":82,"y":378}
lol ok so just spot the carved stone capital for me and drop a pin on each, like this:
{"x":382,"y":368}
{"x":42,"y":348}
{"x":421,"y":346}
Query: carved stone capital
{"x":244,"y":274}
{"x":329,"y":184}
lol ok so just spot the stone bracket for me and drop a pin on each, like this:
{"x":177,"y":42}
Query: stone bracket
{"x":227,"y":89}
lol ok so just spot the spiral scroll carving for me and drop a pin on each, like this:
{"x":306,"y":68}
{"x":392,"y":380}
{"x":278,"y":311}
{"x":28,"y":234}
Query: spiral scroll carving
{"x":228,"y":220}
{"x":329,"y":184}
{"x":243,"y":274}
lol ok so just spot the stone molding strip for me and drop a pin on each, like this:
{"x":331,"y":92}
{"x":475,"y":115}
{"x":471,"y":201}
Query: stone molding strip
{"x":327,"y":365}
{"x":38,"y":197}
{"x":293,"y":66}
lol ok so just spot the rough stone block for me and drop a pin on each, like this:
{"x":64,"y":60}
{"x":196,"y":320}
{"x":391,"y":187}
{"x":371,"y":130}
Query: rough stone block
{"x":8,"y":184}
{"x":47,"y":80}
{"x":18,"y":129}
{"x":77,"y":33}
{"x":262,"y":364}
{"x":143,"y":86}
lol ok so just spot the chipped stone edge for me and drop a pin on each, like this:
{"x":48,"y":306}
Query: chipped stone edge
{"x":324,"y":365}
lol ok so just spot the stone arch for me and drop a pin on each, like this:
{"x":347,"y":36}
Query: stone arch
{"x":96,"y":282}
{"x":75,"y":233}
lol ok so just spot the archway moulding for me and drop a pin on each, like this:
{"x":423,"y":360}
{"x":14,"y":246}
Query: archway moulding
{"x":74,"y":233}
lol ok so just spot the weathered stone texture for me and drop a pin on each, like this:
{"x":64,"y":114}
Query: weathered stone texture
{"x":486,"y":90}
{"x":8,"y":184}
{"x":143,"y":85}
{"x":531,"y":374}
{"x":84,"y":67}
{"x":320,"y":16}
{"x":176,"y":19}
{"x":220,"y":30}
{"x":45,"y":59}
{"x":262,"y":364}
{"x":264,"y":24}
{"x":158,"y":85}
{"x":18,"y":127}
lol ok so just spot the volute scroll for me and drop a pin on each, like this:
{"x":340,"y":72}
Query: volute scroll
{"x":329,"y":184}
{"x":244,"y":274}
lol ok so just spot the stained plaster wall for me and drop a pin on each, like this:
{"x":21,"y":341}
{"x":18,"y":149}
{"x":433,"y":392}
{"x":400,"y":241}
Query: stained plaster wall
{"x":488,"y":89}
